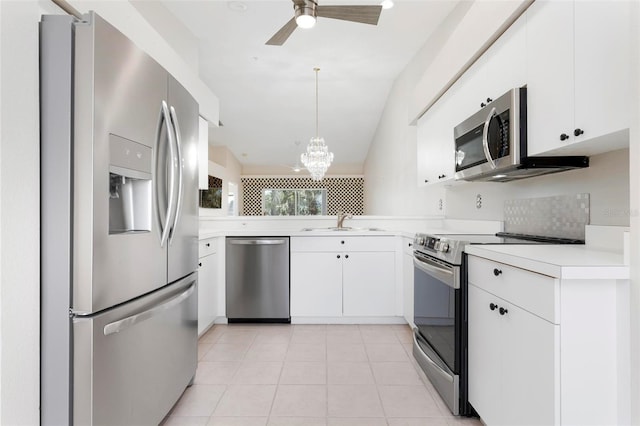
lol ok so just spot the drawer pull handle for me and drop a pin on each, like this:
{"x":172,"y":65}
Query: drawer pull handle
{"x":338,"y":256}
{"x":341,"y":242}
{"x":496,"y":272}
{"x":503,"y":311}
{"x":346,"y":256}
{"x":208,"y":244}
{"x":200,"y":264}
{"x":493,"y":306}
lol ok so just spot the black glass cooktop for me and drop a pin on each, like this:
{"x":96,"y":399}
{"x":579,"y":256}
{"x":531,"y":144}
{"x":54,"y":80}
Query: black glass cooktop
{"x":508,"y":238}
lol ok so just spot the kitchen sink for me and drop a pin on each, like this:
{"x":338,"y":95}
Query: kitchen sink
{"x":343,"y":229}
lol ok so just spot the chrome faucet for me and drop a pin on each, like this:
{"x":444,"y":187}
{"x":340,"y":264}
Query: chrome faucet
{"x":341,"y":217}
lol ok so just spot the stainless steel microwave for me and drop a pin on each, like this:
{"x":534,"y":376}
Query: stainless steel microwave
{"x":491,"y":145}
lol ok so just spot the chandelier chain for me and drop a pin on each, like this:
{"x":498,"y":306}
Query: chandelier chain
{"x":317,"y":120}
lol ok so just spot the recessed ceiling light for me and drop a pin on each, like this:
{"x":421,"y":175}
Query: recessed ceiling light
{"x":237,"y":6}
{"x":387,"y":4}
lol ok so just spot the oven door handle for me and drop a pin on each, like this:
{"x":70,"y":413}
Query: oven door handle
{"x":485,"y":138}
{"x":448,"y":275}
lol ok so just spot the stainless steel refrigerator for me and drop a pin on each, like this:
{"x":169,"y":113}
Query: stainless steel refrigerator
{"x":119,"y":225}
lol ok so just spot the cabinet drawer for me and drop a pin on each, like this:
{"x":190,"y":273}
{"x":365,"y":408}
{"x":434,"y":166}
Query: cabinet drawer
{"x":533,"y":292}
{"x":340,"y":244}
{"x":207,"y":247}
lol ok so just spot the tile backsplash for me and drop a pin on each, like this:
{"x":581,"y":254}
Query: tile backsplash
{"x":563,"y":216}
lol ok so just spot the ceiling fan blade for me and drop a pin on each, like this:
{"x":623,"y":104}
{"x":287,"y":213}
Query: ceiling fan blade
{"x":283,"y":33}
{"x":362,"y":14}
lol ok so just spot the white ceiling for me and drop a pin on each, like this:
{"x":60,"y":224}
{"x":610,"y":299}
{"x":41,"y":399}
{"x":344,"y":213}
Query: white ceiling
{"x":267,"y":93}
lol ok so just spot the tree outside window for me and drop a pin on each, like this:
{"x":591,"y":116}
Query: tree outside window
{"x":294,"y":202}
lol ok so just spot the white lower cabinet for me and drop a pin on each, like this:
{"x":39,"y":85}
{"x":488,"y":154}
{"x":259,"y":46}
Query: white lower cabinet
{"x":368,"y":284}
{"x":343,"y":276}
{"x":513,"y":356}
{"x":208,"y":283}
{"x":546,"y":351}
{"x":316,"y":284}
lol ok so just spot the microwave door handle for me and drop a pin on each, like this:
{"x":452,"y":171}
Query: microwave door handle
{"x":485,"y":138}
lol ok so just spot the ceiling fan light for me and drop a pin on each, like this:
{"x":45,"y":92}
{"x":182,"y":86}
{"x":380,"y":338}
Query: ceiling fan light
{"x":305,"y":21}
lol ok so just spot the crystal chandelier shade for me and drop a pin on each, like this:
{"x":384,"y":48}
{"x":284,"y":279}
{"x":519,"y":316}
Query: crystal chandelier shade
{"x":317,"y":159}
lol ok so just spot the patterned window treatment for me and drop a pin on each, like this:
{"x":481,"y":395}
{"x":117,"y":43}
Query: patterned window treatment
{"x":343,"y":193}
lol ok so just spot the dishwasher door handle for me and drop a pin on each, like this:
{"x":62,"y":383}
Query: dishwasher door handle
{"x":259,"y":242}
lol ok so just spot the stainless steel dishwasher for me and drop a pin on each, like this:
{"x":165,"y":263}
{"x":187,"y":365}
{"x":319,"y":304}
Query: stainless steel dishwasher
{"x":257,"y":279}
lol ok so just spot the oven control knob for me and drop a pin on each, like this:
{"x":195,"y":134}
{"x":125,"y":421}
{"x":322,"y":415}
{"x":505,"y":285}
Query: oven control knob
{"x":421,"y":241}
{"x":444,"y":247}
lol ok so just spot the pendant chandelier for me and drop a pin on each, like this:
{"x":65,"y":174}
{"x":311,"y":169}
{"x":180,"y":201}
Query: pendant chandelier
{"x":317,"y":159}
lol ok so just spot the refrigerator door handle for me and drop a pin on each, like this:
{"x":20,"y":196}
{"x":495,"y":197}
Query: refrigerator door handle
{"x":165,"y":119}
{"x":178,"y":142}
{"x":128,"y":322}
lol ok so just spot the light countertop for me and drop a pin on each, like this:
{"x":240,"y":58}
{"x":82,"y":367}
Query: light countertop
{"x":558,"y":261}
{"x":300,"y":233}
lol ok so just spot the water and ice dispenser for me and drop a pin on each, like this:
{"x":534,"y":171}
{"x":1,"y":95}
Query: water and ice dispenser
{"x":130,"y":186}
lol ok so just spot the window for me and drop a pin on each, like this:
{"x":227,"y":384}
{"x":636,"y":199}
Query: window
{"x":294,"y":202}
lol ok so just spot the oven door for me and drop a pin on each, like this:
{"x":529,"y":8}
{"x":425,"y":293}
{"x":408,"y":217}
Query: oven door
{"x":438,"y":320}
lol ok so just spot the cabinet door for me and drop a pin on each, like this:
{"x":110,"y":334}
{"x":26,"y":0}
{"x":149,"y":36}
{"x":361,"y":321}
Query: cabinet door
{"x":602,"y":67}
{"x":435,"y":143}
{"x":316,"y":284}
{"x":530,"y":368}
{"x":505,"y":66}
{"x":369,"y":284}
{"x":207,"y":291}
{"x":485,"y":356}
{"x":550,"y":71}
{"x":426,"y":133}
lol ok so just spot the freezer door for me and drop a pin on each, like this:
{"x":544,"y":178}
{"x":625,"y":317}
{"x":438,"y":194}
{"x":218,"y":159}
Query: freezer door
{"x":183,"y":235}
{"x":118,"y":96}
{"x":132,"y":363}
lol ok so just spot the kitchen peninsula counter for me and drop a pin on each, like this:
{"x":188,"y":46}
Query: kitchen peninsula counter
{"x":578,"y":262}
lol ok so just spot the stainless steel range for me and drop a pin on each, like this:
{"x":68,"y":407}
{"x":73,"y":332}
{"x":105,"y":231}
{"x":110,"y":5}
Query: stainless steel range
{"x":440,"y":308}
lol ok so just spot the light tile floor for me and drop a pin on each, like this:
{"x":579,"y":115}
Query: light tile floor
{"x":308,"y":375}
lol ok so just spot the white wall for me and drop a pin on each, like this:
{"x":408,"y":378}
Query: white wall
{"x":172,"y":30}
{"x":606,"y":179}
{"x":20,"y":210}
{"x":128,"y":20}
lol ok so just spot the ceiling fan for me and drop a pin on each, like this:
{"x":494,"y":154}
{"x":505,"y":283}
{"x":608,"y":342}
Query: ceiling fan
{"x":306,"y":12}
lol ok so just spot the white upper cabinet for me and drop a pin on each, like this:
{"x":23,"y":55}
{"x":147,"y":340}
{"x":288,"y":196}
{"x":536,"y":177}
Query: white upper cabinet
{"x":435,"y":143}
{"x":506,"y":61}
{"x":549,"y":75}
{"x":500,"y":69}
{"x":602,"y":67}
{"x":574,"y":58}
{"x":578,"y":76}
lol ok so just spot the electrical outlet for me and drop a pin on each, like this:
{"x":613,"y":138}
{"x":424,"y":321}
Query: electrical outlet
{"x":478,"y":201}
{"x":440,"y":204}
